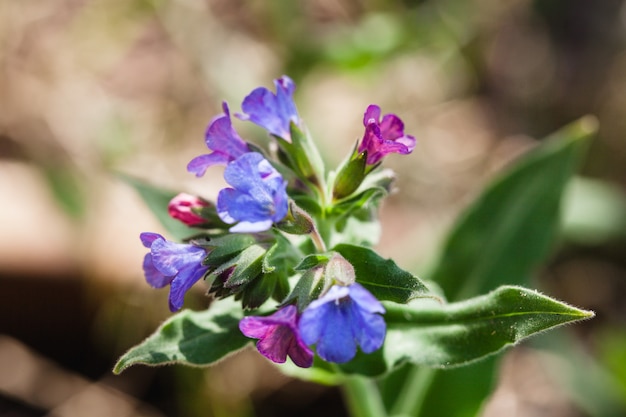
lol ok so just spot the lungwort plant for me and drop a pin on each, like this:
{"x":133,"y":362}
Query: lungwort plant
{"x":287,"y":253}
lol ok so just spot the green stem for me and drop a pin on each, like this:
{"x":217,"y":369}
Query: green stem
{"x":411,"y":398}
{"x":318,"y":241}
{"x":363,"y":398}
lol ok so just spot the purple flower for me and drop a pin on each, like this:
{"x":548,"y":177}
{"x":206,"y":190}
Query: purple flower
{"x":344,"y":317}
{"x":223,"y":140}
{"x":273,"y":112}
{"x":176,"y":264}
{"x":278,"y":336}
{"x":258,"y":197}
{"x":383,"y":137}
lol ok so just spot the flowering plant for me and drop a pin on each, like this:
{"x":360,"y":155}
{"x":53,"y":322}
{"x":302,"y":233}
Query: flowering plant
{"x":283,"y":253}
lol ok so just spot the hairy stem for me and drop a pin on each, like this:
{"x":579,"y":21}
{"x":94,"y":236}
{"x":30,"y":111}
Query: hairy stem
{"x":363,"y":397}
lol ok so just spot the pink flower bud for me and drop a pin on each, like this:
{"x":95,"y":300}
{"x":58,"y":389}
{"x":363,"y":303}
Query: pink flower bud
{"x":187,"y":208}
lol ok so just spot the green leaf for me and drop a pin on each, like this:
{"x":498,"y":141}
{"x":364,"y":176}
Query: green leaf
{"x":382,"y":277}
{"x":447,"y":335}
{"x":472,"y":384}
{"x":191,"y":338}
{"x":511,"y":227}
{"x":246,"y":266}
{"x":224,"y":248}
{"x":67,"y":186}
{"x":594,"y":212}
{"x":312,"y":261}
{"x":157,"y":200}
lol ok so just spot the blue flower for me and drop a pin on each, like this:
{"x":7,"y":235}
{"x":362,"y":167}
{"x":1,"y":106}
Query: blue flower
{"x":258,"y":197}
{"x":176,"y":264}
{"x":274,"y":112}
{"x":278,"y":336}
{"x":223,"y":140}
{"x":346,"y":316}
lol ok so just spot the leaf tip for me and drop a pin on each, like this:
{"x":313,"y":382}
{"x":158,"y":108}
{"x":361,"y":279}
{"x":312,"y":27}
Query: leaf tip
{"x":119,"y":367}
{"x":587,"y":314}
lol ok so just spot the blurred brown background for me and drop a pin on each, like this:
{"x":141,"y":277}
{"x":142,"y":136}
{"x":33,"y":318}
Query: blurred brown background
{"x":91,"y":88}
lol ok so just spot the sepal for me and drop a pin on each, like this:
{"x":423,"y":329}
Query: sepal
{"x":297,"y":221}
{"x":319,"y":273}
{"x":302,"y":156}
{"x":350,"y":176}
{"x":231,"y":277}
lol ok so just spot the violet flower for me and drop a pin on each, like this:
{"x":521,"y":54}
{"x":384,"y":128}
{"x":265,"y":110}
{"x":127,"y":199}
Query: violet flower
{"x":383,"y":137}
{"x":273,"y":112}
{"x":178,"y":265}
{"x":278,"y":336}
{"x":223,"y":140}
{"x":346,"y":316}
{"x":258,"y":197}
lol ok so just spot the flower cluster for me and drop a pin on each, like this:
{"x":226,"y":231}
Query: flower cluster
{"x":241,"y":244}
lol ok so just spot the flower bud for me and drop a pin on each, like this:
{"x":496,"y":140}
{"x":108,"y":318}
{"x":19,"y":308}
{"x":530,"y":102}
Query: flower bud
{"x":188,"y":208}
{"x":350,"y":176}
{"x":297,"y":221}
{"x":339,"y":270}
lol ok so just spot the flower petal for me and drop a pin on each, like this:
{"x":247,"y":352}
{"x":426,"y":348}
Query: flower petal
{"x":278,"y":334}
{"x":368,"y":329}
{"x":254,"y":327}
{"x":275,"y":343}
{"x":251,"y":227}
{"x":200,"y":164}
{"x":182,"y":283}
{"x":336,"y":343}
{"x":342,"y":318}
{"x":154,"y":277}
{"x":365,"y":300}
{"x":235,"y":205}
{"x":258,"y":197}
{"x":391,"y":127}
{"x":221,"y":137}
{"x":300,"y":354}
{"x":383,"y":137}
{"x":171,"y":258}
{"x":148,"y":237}
{"x":273,"y":112}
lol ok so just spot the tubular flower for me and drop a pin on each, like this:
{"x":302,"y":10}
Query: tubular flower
{"x":185,"y":207}
{"x":346,"y":316}
{"x":223,"y":140}
{"x":258,"y":197}
{"x":383,"y":137}
{"x":273,"y":112}
{"x":178,"y":265}
{"x":278,"y":336}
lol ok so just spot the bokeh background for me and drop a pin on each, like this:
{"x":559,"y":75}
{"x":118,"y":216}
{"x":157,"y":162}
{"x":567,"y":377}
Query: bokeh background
{"x":90,"y":89}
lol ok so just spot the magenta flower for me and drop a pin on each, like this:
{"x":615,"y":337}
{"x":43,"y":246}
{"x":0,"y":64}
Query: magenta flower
{"x":178,"y":265}
{"x":278,"y":336}
{"x":186,"y":208}
{"x":273,"y":112}
{"x":223,"y":140}
{"x":383,"y":137}
{"x":258,"y":197}
{"x":346,"y":316}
